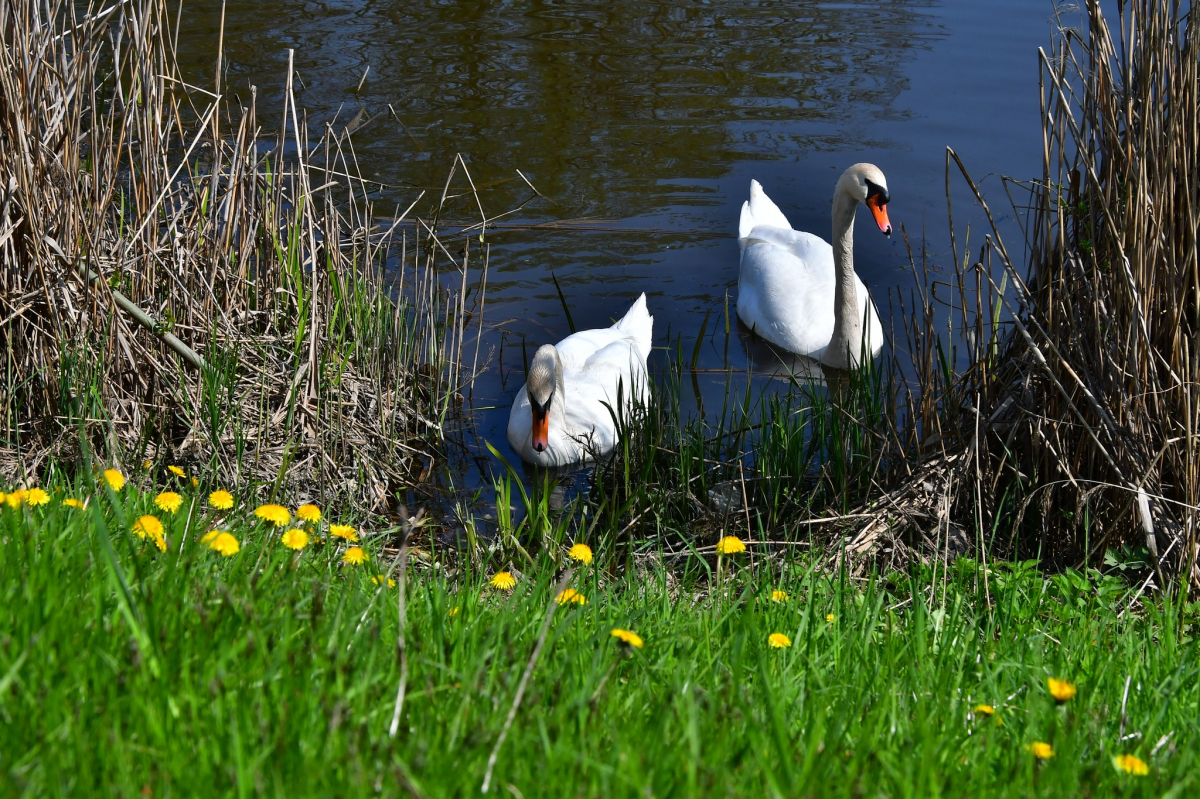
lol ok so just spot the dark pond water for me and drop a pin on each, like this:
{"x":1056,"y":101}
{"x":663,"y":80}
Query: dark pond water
{"x":647,"y":121}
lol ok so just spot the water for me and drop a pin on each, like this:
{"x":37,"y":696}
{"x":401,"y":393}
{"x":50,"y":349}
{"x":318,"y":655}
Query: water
{"x":646,"y":123}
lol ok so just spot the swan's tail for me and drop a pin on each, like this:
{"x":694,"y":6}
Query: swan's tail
{"x":639,"y":325}
{"x":759,"y":210}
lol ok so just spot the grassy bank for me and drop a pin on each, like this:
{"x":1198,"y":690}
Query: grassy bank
{"x":127,"y":670}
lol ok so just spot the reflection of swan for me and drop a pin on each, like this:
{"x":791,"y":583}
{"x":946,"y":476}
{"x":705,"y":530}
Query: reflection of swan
{"x":799,"y":293}
{"x":560,"y":415}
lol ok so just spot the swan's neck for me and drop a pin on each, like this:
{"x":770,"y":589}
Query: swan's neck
{"x":846,"y":343}
{"x":558,"y":408}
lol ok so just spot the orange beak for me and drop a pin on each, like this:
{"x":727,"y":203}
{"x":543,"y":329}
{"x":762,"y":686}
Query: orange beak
{"x":541,"y":430}
{"x":879,"y":211}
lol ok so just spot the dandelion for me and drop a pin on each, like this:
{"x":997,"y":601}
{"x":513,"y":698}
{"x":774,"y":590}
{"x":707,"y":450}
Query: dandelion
{"x":221,"y":499}
{"x":295,"y":539}
{"x":178,"y":472}
{"x":146,"y":464}
{"x":452,"y":612}
{"x":115,"y":480}
{"x":168,"y":501}
{"x":71,"y":502}
{"x":581,"y":553}
{"x":503,"y":581}
{"x":380,"y":579}
{"x":195,"y":482}
{"x":1061,"y":690}
{"x":1041,"y":750}
{"x":309,"y":513}
{"x":225,"y":543}
{"x":779,"y":641}
{"x":210,"y":536}
{"x":730,"y":545}
{"x":276,"y":515}
{"x":779,"y":596}
{"x":15,"y":498}
{"x":354,"y":556}
{"x":570,"y":595}
{"x":343,"y":531}
{"x":831,"y":618}
{"x":35,"y":497}
{"x":148,"y":527}
{"x":629,"y":638}
{"x":1131,"y":764}
{"x":3,"y":497}
{"x":984,"y":710}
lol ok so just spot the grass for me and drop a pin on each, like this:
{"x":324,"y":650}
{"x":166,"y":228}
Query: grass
{"x":129,"y":671}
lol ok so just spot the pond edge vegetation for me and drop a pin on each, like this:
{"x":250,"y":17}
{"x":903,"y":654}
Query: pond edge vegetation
{"x":181,"y":286}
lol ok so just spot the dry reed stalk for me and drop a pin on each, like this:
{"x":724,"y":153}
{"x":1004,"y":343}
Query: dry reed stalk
{"x":271,"y":267}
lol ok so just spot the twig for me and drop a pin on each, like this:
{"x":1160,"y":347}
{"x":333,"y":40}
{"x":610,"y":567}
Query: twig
{"x":533,"y":657}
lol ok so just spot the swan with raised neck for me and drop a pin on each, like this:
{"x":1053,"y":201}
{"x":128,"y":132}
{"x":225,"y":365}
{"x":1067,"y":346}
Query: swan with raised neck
{"x":801,"y":293}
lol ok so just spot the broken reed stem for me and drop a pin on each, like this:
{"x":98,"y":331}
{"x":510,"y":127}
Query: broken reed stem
{"x":533,"y":658}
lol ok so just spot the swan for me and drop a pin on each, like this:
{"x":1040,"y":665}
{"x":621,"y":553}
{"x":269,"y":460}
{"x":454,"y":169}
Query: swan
{"x":561,"y":415}
{"x":796,"y":291}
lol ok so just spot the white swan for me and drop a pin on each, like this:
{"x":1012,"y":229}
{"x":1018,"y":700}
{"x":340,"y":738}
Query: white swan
{"x":559,"y":415}
{"x":799,"y":293}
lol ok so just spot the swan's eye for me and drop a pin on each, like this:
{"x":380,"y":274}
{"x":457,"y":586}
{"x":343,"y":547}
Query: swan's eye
{"x":877,"y":193}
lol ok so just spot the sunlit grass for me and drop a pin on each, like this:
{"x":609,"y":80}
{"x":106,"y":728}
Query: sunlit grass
{"x":233,"y":663}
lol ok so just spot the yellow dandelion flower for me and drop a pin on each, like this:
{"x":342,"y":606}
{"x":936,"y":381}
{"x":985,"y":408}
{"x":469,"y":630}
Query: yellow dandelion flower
{"x":3,"y":498}
{"x":15,"y":498}
{"x":571,"y":595}
{"x":1061,"y":690}
{"x":276,"y":515}
{"x":984,"y":710}
{"x":779,"y":596}
{"x":1041,"y":750}
{"x":452,"y":612}
{"x":354,"y":556}
{"x":343,"y":531}
{"x":779,"y":641}
{"x":309,"y":513}
{"x":209,"y":536}
{"x":35,"y":497}
{"x":295,"y":539}
{"x":195,"y":482}
{"x":380,"y":578}
{"x":730,"y":545}
{"x":148,"y":527}
{"x":581,"y":553}
{"x":146,"y":464}
{"x":161,"y":543}
{"x":629,"y":638}
{"x":115,"y":480}
{"x":503,"y":581}
{"x":178,"y":472}
{"x":831,"y":618}
{"x":1131,"y":764}
{"x":71,"y":502}
{"x":226,"y":544}
{"x":221,"y":499}
{"x":168,"y":501}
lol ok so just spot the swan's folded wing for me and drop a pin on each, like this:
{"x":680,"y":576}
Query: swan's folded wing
{"x":812,"y":250}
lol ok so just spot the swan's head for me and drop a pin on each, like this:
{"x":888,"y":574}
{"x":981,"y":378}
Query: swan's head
{"x":866,"y":183}
{"x":540,"y":385}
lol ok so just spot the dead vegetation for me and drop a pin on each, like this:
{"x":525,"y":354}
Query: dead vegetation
{"x":181,"y":285}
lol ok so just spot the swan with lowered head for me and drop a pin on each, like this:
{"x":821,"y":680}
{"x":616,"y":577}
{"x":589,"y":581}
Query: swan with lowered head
{"x":798,"y":292}
{"x":561,"y":415}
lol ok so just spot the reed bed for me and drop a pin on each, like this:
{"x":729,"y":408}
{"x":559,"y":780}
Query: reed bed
{"x":179,"y":284}
{"x":1080,"y":399}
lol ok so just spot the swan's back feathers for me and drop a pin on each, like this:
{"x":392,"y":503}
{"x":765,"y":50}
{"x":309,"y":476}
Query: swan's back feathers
{"x":758,"y":211}
{"x":638,"y":324}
